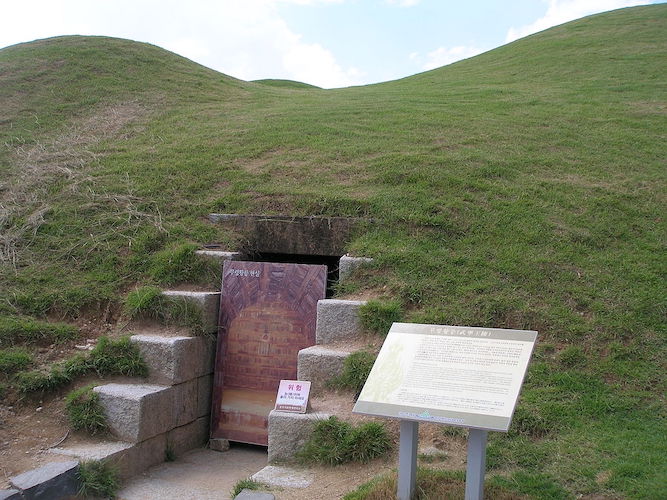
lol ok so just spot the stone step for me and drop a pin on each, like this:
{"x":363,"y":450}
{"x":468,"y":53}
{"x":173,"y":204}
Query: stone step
{"x":137,"y":412}
{"x":208,"y":304}
{"x":338,"y":320}
{"x":175,"y":359}
{"x":53,"y":480}
{"x":319,"y":364}
{"x":347,"y":265}
{"x":133,"y":458}
{"x":219,"y":255}
{"x":277,"y":476}
{"x":288,"y":432}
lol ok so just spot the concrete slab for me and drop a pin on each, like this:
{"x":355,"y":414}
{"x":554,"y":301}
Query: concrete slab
{"x":284,"y":477}
{"x":54,"y":480}
{"x":198,"y":475}
{"x":94,"y":451}
{"x":219,"y":255}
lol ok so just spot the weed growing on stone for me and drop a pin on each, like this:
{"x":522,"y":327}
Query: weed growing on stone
{"x":84,"y":411}
{"x":335,"y":442}
{"x":246,"y":484}
{"x":98,"y":479}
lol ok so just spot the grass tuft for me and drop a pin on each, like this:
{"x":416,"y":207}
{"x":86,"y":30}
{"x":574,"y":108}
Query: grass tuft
{"x":430,"y":485}
{"x":572,"y":356}
{"x":181,"y":264}
{"x":16,"y":329}
{"x":378,"y":316}
{"x":98,"y":479}
{"x":117,"y":357}
{"x":109,"y":357}
{"x":144,"y":302}
{"x":246,"y":484}
{"x":150,"y":302}
{"x":356,"y":368}
{"x":335,"y":442}
{"x":84,"y":411}
{"x":13,"y":360}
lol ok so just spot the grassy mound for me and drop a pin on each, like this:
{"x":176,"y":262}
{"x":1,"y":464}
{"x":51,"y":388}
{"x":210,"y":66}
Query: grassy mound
{"x":523,"y":188}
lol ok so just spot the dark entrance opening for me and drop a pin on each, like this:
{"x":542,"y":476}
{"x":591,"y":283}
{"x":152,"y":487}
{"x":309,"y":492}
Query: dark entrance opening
{"x":331,"y":261}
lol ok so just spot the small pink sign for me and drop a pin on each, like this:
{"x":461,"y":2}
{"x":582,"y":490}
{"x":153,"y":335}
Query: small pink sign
{"x":293,"y":396}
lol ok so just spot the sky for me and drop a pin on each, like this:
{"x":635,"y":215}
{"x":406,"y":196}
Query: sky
{"x":328,"y":43}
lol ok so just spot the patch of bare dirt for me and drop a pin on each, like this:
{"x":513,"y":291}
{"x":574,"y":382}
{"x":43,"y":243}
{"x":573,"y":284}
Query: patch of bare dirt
{"x":31,"y":426}
{"x":367,"y":294}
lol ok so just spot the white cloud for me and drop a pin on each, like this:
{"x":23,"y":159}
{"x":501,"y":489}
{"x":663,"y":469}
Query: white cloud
{"x":248,"y":40}
{"x":447,"y":55}
{"x":403,"y":3}
{"x":562,"y":11}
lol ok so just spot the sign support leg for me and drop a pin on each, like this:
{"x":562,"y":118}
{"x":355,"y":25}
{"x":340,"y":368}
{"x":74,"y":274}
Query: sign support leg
{"x":407,"y":459}
{"x":476,"y":464}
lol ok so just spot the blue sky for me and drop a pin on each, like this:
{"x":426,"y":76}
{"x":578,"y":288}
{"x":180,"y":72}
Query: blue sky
{"x":329,"y":43}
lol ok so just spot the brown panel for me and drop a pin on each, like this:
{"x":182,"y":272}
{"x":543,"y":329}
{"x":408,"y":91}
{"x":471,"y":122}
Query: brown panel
{"x":267,"y":314}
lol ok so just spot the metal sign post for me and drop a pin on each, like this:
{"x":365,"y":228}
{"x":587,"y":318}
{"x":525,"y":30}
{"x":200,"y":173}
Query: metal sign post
{"x":476,"y":464}
{"x":407,"y":459}
{"x":407,"y":462}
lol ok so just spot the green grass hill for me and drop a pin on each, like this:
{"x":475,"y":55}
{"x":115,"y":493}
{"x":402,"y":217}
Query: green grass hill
{"x":522,"y":188}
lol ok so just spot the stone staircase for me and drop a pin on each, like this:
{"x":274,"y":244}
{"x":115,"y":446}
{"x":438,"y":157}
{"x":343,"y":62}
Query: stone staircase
{"x":169,"y":413}
{"x":338,"y":335}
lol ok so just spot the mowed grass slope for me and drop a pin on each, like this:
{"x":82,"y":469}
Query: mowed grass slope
{"x":523,"y":188}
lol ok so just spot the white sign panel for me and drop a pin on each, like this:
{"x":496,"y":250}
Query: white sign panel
{"x":454,"y":375}
{"x":293,"y":396}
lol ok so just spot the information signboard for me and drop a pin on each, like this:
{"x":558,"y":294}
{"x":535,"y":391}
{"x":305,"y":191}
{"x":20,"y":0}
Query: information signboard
{"x":453,"y":375}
